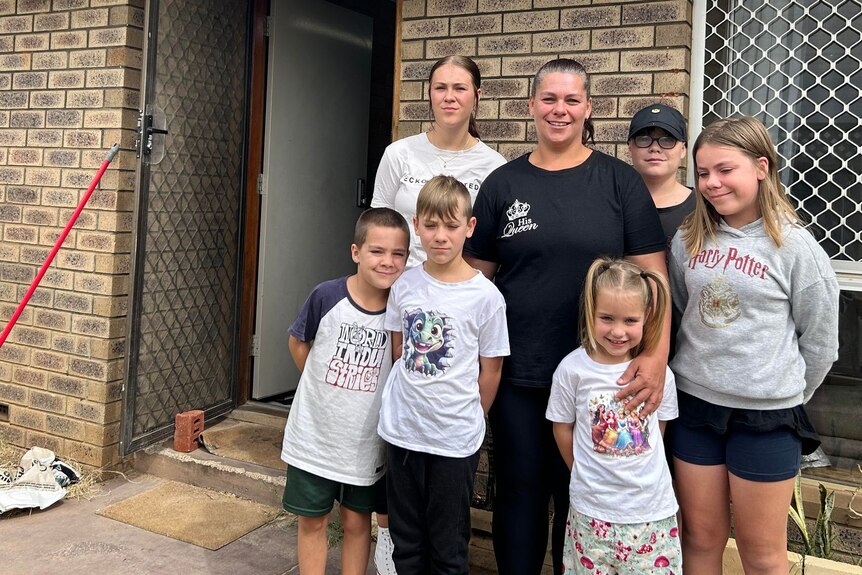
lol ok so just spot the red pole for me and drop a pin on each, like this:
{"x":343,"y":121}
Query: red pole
{"x":110,"y":156}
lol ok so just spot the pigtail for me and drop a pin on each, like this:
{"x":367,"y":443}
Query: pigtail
{"x":586,"y":316}
{"x":658,"y":301}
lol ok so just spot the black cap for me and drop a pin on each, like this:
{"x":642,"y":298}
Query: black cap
{"x":659,"y":116}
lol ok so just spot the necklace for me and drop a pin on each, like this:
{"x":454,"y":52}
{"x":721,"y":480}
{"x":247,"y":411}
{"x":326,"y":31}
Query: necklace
{"x":446,"y":156}
{"x":452,"y":154}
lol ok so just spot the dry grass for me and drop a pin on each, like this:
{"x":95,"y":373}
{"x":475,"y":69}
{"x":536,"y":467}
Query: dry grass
{"x":9,"y":456}
{"x":88,"y":487}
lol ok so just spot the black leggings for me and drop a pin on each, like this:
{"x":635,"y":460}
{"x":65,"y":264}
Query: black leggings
{"x":529,"y":470}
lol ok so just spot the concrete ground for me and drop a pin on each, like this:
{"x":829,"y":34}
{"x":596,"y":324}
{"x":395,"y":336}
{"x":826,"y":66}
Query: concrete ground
{"x":70,"y":538}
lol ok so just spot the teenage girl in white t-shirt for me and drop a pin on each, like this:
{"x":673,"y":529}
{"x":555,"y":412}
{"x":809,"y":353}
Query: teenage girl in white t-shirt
{"x":622,"y":509}
{"x":450,"y":148}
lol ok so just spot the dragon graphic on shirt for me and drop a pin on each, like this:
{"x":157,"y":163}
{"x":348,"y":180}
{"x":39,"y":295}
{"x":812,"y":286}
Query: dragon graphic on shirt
{"x":428,"y":342}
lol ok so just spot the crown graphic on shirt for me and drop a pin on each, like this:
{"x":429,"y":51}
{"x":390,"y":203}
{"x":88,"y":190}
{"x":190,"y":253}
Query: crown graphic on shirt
{"x":517,"y":210}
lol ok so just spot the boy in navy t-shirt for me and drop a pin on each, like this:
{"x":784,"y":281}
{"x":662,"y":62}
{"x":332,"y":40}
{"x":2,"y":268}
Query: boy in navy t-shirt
{"x":344,"y":352}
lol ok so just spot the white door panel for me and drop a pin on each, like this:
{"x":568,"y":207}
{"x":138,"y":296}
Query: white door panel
{"x":315,"y":149}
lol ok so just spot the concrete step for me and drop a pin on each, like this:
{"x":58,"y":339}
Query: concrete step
{"x":252,"y":481}
{"x":261,"y":413}
{"x":266,"y":484}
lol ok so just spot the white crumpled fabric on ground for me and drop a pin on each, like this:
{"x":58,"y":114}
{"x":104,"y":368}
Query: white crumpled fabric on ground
{"x":40,"y":480}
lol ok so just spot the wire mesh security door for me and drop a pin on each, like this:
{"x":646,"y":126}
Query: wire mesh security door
{"x":797,"y":66}
{"x":184,"y":308}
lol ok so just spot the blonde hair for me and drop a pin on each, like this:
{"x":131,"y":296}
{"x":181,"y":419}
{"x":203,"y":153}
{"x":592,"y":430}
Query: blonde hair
{"x":444,"y":197}
{"x":749,"y":136}
{"x":621,"y":276}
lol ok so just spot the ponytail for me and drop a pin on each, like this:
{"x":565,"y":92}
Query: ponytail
{"x":589,"y":131}
{"x":472,"y":127}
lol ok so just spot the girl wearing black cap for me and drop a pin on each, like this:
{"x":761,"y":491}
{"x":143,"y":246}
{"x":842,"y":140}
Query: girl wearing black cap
{"x":657,"y":144}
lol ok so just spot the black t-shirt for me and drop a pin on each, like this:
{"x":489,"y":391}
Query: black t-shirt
{"x":672,"y":216}
{"x":544,"y":229}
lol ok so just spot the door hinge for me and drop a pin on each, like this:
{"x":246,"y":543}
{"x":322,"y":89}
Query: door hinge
{"x":267,"y":26}
{"x":260,"y":182}
{"x":255,"y":345}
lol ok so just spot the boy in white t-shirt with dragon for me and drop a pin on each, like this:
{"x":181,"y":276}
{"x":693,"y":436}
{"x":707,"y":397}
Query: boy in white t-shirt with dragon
{"x":449,"y":338}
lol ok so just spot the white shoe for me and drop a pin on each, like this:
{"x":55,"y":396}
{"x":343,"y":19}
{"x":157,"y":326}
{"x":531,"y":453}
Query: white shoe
{"x":383,"y":553}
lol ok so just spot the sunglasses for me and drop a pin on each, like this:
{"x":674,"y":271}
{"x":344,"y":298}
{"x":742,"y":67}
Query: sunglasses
{"x":645,"y":141}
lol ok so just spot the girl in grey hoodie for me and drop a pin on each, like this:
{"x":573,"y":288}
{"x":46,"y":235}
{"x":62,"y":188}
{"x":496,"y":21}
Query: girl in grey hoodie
{"x":758,"y":301}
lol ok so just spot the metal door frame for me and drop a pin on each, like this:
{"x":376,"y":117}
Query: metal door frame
{"x":128,"y":442}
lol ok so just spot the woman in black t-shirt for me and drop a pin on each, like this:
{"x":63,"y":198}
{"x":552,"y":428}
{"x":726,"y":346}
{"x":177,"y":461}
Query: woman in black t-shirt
{"x":541,"y":220}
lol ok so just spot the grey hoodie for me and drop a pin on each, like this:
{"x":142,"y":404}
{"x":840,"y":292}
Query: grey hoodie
{"x":759,"y":324}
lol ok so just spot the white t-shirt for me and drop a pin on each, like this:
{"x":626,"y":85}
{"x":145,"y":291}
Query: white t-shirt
{"x":332,"y":427}
{"x":620,"y":473}
{"x":409,"y":163}
{"x":431,"y":401}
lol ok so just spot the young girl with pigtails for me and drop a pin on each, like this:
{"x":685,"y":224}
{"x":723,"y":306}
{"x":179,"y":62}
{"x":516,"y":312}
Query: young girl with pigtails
{"x":622,"y":514}
{"x":758,"y":301}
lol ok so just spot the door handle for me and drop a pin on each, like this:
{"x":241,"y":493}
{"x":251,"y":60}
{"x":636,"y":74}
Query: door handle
{"x":151,"y":123}
{"x":361,"y":198}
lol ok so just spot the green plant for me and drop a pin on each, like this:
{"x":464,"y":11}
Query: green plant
{"x":818,"y":543}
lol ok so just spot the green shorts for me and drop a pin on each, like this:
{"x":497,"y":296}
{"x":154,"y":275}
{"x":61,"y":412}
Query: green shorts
{"x":310,"y":495}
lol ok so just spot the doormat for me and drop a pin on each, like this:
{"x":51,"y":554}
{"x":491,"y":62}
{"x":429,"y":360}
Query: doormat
{"x":251,"y":442}
{"x":202,"y":517}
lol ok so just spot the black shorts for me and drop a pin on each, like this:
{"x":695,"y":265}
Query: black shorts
{"x":757,"y":445}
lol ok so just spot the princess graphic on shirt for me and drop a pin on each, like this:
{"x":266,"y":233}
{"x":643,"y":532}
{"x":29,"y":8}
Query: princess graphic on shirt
{"x":639,"y":438}
{"x":600,"y":423}
{"x":606,"y":446}
{"x":614,"y":434}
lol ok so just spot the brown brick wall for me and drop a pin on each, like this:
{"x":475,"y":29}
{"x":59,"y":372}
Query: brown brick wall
{"x":636,"y":53}
{"x":69,"y":77}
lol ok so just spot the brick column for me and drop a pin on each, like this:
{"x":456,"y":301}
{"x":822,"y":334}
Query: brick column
{"x":636,"y":53}
{"x":69,"y":81}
